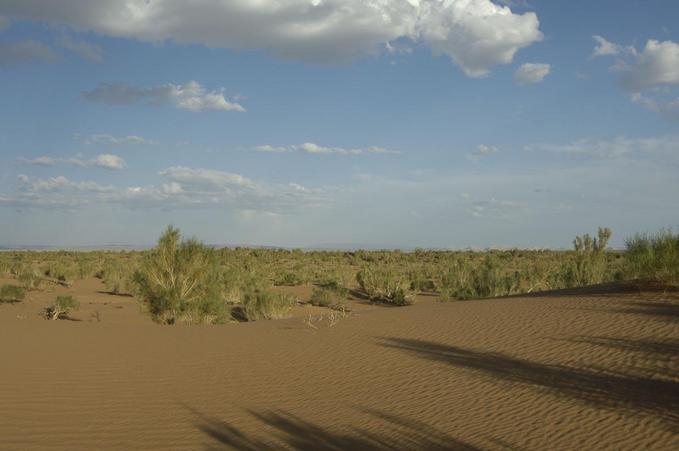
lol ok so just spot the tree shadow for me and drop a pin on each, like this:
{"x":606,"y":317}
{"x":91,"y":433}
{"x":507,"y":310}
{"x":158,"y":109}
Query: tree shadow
{"x":608,"y":289}
{"x":659,"y":310}
{"x":113,"y":293}
{"x":598,"y":387}
{"x":295,"y":433}
{"x":654,"y":348}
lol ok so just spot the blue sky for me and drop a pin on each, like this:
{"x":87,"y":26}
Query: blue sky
{"x":432,"y":123}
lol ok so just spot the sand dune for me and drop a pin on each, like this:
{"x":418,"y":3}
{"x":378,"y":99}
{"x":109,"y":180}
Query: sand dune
{"x":587,"y":369}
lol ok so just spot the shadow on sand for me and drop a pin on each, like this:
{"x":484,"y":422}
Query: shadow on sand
{"x":602,"y":290}
{"x":659,"y":310}
{"x":616,"y":390}
{"x":656,"y":349}
{"x":295,"y":433}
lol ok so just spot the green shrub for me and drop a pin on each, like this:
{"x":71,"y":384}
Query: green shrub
{"x":653,"y":256}
{"x":384,"y":285}
{"x":180,"y":281}
{"x":29,"y":278}
{"x":328,"y":297}
{"x":588,"y":266}
{"x":12,"y":293}
{"x":115,"y":278}
{"x":261,"y":304}
{"x":489,"y":280}
{"x":290,"y":279}
{"x":61,"y":307}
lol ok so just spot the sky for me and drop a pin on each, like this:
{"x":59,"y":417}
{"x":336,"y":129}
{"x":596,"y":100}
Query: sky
{"x":307,"y":123}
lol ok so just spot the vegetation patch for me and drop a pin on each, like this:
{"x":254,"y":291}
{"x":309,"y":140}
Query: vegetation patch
{"x":11,"y":294}
{"x":654,"y":257}
{"x":60,"y":307}
{"x":259,"y":304}
{"x":180,"y":281}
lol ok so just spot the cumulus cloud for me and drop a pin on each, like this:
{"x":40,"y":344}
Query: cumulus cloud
{"x":191,"y":96}
{"x":23,"y":51}
{"x":106,"y":138}
{"x":531,"y":73}
{"x":651,"y":76}
{"x":106,"y":161}
{"x":604,"y":47}
{"x":312,"y":148}
{"x":655,"y":66}
{"x":86,"y":50}
{"x":476,"y":35}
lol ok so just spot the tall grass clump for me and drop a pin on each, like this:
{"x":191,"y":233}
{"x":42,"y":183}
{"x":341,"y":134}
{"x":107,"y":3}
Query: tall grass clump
{"x":384,"y":285}
{"x":259,"y":304}
{"x":179,"y":280}
{"x":115,"y":277}
{"x":589,"y":263}
{"x":488,"y":280}
{"x":653,"y":256}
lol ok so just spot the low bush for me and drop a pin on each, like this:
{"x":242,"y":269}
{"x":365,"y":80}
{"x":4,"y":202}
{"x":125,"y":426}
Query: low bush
{"x":116,"y":279}
{"x":259,"y":304}
{"x":12,"y":293}
{"x":384,"y":285}
{"x":29,"y":278}
{"x":180,"y":281}
{"x":328,"y":297}
{"x":653,"y":257}
{"x":290,"y":279}
{"x":61,"y":307}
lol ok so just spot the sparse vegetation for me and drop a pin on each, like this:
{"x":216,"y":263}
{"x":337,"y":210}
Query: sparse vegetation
{"x":184,"y":281}
{"x":11,"y":294}
{"x":61,"y":306}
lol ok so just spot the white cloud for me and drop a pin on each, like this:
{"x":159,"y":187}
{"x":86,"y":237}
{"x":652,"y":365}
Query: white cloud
{"x":191,"y":96}
{"x":90,"y":52}
{"x":668,"y":108}
{"x":312,"y":148}
{"x":203,"y":177}
{"x":39,"y":161}
{"x":23,"y":51}
{"x":184,"y":188}
{"x":106,"y":161}
{"x":483,"y":150}
{"x":655,"y":66}
{"x":492,"y":208}
{"x":531,"y":73}
{"x":604,"y":47}
{"x":61,"y":183}
{"x":651,"y":76}
{"x":476,"y":35}
{"x":664,"y":147}
{"x":117,"y":140}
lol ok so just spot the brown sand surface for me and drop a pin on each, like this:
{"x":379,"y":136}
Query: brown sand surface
{"x":585,"y":369}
